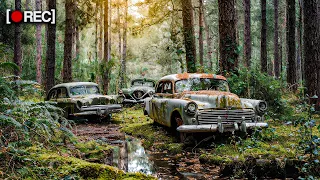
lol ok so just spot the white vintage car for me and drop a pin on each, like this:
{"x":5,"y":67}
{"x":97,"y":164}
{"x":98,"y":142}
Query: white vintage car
{"x":191,"y":103}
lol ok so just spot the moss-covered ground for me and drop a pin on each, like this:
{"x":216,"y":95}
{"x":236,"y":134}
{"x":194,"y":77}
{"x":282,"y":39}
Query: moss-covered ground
{"x":276,"y":146}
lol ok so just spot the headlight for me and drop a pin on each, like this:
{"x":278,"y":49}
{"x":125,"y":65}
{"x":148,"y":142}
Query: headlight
{"x":261,"y":107}
{"x":191,"y":108}
{"x":79,"y":104}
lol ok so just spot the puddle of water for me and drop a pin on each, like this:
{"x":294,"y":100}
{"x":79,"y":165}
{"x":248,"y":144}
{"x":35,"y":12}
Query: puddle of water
{"x":132,"y":157}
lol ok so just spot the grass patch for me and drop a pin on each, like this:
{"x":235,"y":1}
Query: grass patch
{"x":135,"y":123}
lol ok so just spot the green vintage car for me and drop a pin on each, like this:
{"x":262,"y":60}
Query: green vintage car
{"x":83,"y":99}
{"x":139,"y":90}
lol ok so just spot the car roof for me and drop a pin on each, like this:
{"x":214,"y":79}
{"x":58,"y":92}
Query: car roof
{"x":176,"y":77}
{"x":71,"y":84}
{"x":142,"y":79}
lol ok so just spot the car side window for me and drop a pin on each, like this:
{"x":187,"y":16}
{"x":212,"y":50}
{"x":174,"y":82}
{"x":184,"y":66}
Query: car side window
{"x":167,"y":88}
{"x":62,"y":93}
{"x":53,"y":94}
{"x":159,"y":87}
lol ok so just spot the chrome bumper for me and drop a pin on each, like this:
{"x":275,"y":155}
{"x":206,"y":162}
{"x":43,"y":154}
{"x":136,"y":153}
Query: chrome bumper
{"x":244,"y":126}
{"x":99,"y":110}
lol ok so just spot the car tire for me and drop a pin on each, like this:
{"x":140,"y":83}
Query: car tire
{"x":177,"y":121}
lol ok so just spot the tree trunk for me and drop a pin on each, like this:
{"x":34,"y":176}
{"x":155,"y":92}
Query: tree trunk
{"x":124,"y":49}
{"x":188,"y":32}
{"x":301,"y":41}
{"x":264,"y":61}
{"x":291,"y":29}
{"x":201,"y":28}
{"x":110,"y":30}
{"x":228,"y":36}
{"x":17,"y":57}
{"x":68,"y":38}
{"x":39,"y":45}
{"x":106,"y":44}
{"x":209,"y":44}
{"x":51,"y":51}
{"x":247,"y":33}
{"x":119,"y":32}
{"x":77,"y":34}
{"x":101,"y":32}
{"x":276,"y":40}
{"x":311,"y":47}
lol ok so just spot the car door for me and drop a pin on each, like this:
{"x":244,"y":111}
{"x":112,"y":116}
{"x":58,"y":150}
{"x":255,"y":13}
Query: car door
{"x":160,"y":102}
{"x":64,"y":101}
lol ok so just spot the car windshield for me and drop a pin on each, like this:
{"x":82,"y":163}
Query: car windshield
{"x":84,"y":90}
{"x":143,"y":83}
{"x":198,"y":84}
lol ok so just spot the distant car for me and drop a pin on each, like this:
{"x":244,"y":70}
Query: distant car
{"x":192,"y":103}
{"x":139,"y":90}
{"x":83,"y":99}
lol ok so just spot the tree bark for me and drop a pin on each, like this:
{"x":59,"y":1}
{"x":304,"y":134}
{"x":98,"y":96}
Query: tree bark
{"x":68,"y":39}
{"x":247,"y":33}
{"x":188,"y":32}
{"x":264,"y":61}
{"x":101,"y":32}
{"x":17,"y":57}
{"x":110,"y":30}
{"x":276,"y":40}
{"x":228,"y":37}
{"x":209,"y":44}
{"x":106,"y":44}
{"x":311,"y":47}
{"x":201,"y":28}
{"x":119,"y":26}
{"x":291,"y":31}
{"x":124,"y":48}
{"x":51,"y":51}
{"x":77,"y":34}
{"x":39,"y":45}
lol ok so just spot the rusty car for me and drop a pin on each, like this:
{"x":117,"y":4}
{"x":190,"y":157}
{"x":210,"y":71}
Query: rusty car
{"x":140,"y":89}
{"x":84,"y":100}
{"x":195,"y":103}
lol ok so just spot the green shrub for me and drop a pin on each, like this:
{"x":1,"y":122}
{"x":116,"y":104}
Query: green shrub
{"x":255,"y":85}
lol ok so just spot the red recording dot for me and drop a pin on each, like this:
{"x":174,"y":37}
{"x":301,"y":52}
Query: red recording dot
{"x":16,"y":16}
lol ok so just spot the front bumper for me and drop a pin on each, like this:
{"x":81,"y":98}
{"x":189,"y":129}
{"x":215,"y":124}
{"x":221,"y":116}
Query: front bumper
{"x":133,"y":101}
{"x":244,"y":126}
{"x":99,"y":110}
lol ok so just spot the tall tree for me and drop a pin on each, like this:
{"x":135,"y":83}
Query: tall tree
{"x":247,"y":32}
{"x":106,"y":45}
{"x":110,"y":30}
{"x":209,"y":43}
{"x":124,"y":48}
{"x":39,"y":45}
{"x":201,"y":28}
{"x":188,"y":32}
{"x":291,"y":36}
{"x":228,"y":36}
{"x":17,"y":57}
{"x":68,"y":38}
{"x":311,"y":47}
{"x":276,"y":39}
{"x":51,"y":51}
{"x":264,"y":62}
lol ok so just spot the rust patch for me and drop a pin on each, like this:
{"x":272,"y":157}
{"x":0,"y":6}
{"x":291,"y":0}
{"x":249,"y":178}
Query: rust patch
{"x":183,"y":76}
{"x":203,"y":75}
{"x":205,"y":92}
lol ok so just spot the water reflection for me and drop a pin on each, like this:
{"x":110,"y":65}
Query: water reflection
{"x":131,"y":157}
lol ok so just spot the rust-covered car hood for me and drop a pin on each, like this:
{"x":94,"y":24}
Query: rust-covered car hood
{"x":215,"y":99}
{"x":95,"y":99}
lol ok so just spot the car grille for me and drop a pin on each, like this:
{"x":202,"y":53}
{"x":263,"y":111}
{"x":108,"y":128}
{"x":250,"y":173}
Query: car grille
{"x":227,"y":116}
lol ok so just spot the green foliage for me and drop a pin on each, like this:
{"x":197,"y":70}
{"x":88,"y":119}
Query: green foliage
{"x":253,"y":84}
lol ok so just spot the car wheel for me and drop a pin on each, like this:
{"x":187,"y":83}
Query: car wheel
{"x":181,"y":137}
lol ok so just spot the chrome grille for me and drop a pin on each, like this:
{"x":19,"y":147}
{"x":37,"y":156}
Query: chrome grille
{"x":227,"y":116}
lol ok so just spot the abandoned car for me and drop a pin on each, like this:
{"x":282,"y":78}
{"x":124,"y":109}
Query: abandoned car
{"x":192,"y":103}
{"x":83,"y":99}
{"x":139,"y":90}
